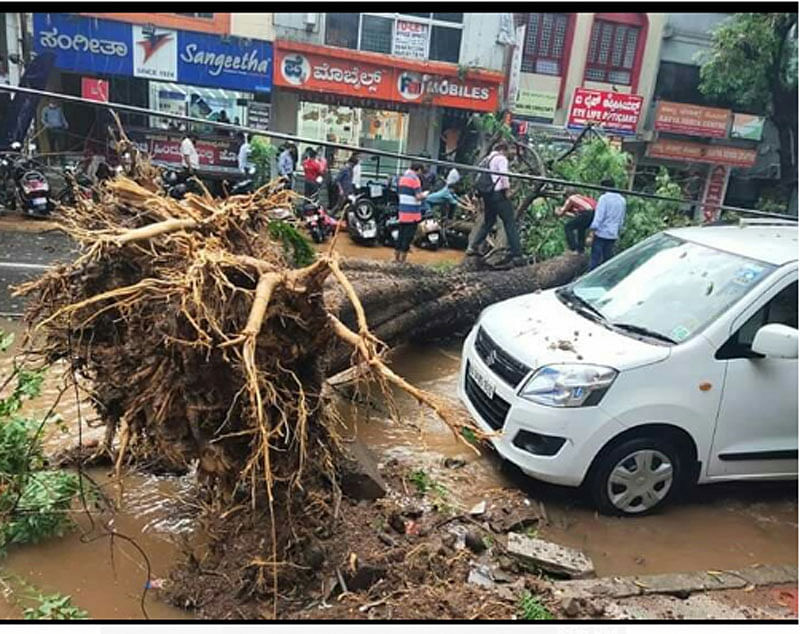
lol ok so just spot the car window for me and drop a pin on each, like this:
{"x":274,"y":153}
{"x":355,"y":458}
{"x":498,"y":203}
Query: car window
{"x":669,"y":286}
{"x":781,"y":309}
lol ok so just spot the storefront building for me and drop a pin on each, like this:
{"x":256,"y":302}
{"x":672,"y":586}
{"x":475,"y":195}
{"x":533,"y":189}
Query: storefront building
{"x":201,"y":74}
{"x":388,"y":81}
{"x":570,"y":69}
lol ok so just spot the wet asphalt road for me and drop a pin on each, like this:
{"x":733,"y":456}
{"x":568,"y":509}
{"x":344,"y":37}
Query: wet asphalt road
{"x":24,"y":255}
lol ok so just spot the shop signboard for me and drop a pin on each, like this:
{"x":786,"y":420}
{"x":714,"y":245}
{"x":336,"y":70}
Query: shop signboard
{"x":363,"y":77}
{"x":94,"y":89}
{"x":84,"y":45}
{"x":531,"y":103}
{"x":96,"y":46}
{"x":166,"y":148}
{"x":701,"y":153}
{"x":411,"y":40}
{"x":515,"y":70}
{"x":715,"y":191}
{"x":685,"y":118}
{"x":747,"y":126}
{"x":258,"y":114}
{"x":235,"y":63}
{"x":155,"y":53}
{"x":616,"y":112}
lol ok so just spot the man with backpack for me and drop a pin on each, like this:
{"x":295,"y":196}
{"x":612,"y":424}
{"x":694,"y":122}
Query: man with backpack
{"x":494,"y":190}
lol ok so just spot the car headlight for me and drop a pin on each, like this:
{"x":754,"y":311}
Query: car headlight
{"x":569,"y":385}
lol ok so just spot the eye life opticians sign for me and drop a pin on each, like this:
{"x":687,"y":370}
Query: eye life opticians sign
{"x":92,"y":45}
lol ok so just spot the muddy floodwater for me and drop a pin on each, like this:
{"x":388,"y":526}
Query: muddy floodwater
{"x":717,"y":527}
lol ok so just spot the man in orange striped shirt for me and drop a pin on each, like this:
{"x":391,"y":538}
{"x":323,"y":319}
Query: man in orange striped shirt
{"x":410,"y":197}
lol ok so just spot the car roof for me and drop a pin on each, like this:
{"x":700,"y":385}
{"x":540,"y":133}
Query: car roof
{"x":774,"y":244}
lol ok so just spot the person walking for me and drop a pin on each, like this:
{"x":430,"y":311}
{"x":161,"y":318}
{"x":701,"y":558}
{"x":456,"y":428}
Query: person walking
{"x":580,"y":209}
{"x":410,"y":197}
{"x":243,"y":157}
{"x":609,"y":217}
{"x":344,"y":182}
{"x":496,"y":203}
{"x":286,"y":163}
{"x":55,"y":125}
{"x":314,"y":170}
{"x":190,"y":159}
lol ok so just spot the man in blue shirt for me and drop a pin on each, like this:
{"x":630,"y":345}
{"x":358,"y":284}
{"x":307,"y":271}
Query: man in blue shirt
{"x":607,"y":224}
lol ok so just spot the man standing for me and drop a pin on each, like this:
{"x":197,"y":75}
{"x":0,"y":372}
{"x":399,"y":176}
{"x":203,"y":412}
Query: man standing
{"x":190,"y":159}
{"x":286,"y":164}
{"x":243,"y":157}
{"x":496,"y":203}
{"x":581,"y":209}
{"x":56,"y":126}
{"x":410,"y":197}
{"x":608,"y":219}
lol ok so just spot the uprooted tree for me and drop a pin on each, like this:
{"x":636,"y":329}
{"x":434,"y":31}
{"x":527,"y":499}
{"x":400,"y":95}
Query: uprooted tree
{"x":199,"y":341}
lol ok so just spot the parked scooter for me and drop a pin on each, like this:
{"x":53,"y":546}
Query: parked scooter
{"x":361,"y":215}
{"x":245,"y":184}
{"x":429,"y":232}
{"x":25,"y":187}
{"x":178,"y":183}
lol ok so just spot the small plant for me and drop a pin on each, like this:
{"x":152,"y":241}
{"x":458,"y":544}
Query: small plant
{"x":530,"y":608}
{"x":54,"y":607}
{"x":262,"y":152}
{"x":469,"y":435}
{"x":445,"y":266}
{"x":34,"y":501}
{"x":302,"y":252}
{"x":532,"y":532}
{"x":421,"y":480}
{"x":488,"y":541}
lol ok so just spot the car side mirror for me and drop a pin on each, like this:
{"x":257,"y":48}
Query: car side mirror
{"x":776,"y":341}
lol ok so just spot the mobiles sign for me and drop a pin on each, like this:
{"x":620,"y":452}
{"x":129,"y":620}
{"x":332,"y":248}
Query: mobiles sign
{"x":96,"y":46}
{"x":616,"y":112}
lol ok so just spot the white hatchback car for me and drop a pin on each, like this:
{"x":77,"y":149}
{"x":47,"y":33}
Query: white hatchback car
{"x":675,"y":362}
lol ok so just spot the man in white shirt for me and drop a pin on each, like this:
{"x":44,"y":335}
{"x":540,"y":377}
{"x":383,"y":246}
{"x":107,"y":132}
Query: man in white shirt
{"x":497,"y":203}
{"x":244,"y":153}
{"x":608,"y":219}
{"x":190,"y":159}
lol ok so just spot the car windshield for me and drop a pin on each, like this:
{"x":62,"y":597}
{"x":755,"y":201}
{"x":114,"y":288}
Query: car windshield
{"x":668,"y":287}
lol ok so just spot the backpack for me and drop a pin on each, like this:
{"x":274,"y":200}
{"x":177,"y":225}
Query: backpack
{"x":485,"y":182}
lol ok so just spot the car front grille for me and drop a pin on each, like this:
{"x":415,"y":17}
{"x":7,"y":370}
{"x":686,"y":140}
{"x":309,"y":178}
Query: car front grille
{"x":492,"y":410}
{"x":498,"y":360}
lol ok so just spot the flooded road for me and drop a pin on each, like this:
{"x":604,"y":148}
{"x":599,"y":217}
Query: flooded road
{"x":718,"y":527}
{"x":723,"y":526}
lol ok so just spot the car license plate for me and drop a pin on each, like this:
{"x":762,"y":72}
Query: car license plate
{"x":485,"y":384}
{"x":39,"y":201}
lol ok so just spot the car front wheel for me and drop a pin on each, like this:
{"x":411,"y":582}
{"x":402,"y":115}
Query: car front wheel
{"x":636,"y":477}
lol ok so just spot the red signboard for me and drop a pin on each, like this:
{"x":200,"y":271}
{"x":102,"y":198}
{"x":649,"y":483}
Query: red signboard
{"x":356,"y":74}
{"x":701,"y":153}
{"x":616,"y":112}
{"x":167,"y":148}
{"x":94,"y":89}
{"x":715,"y":192}
{"x":684,"y":118}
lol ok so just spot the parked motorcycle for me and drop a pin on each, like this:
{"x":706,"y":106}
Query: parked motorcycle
{"x":178,"y":183}
{"x":25,"y":187}
{"x":319,"y":224}
{"x":245,"y":184}
{"x":361,"y":215}
{"x":429,"y":232}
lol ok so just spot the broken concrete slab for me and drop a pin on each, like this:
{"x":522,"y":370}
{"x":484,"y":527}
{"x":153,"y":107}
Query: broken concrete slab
{"x":360,"y":479}
{"x":553,"y":558}
{"x":478,"y":509}
{"x":677,"y":584}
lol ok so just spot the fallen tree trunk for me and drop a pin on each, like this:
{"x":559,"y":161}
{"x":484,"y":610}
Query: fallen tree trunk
{"x":416,"y":303}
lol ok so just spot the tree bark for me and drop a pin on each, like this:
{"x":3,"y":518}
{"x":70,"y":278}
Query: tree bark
{"x":416,"y":303}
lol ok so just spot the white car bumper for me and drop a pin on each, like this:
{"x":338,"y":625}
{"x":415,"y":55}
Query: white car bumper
{"x":584,"y":430}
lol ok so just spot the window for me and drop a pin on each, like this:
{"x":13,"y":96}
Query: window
{"x":341,"y":29}
{"x":376,"y":34}
{"x":205,"y":16}
{"x":612,"y":51}
{"x":437,"y":38}
{"x":781,"y":309}
{"x":544,"y":43}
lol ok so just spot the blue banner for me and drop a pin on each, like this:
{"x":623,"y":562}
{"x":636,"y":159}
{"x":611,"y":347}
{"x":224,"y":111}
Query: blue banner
{"x":106,"y":47}
{"x":236,"y":63}
{"x":100,"y":47}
